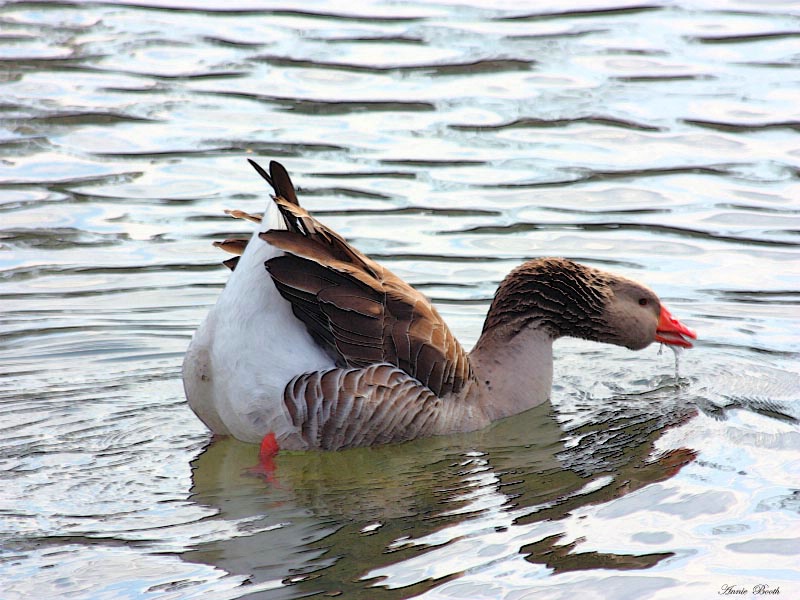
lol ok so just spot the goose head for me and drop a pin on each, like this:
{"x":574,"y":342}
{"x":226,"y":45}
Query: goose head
{"x":635,"y":318}
{"x":565,"y":298}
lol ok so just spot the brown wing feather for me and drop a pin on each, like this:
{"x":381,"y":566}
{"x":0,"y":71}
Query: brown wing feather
{"x":363,"y":320}
{"x":232,"y":246}
{"x":299,"y":221}
{"x":240,"y":214}
{"x":358,"y":310}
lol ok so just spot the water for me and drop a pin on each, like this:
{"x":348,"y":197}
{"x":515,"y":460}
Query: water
{"x":451,"y":141}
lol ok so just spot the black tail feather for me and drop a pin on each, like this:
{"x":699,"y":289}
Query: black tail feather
{"x":263,"y":173}
{"x":282,"y":182}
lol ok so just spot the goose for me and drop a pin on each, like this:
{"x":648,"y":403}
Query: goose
{"x":312,"y":345}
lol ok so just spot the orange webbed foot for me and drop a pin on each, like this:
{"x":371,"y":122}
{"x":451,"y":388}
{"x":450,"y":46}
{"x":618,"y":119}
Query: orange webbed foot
{"x":266,"y":458}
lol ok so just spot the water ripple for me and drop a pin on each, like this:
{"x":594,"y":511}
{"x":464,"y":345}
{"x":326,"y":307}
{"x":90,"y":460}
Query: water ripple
{"x":633,"y":9}
{"x":442,"y":69}
{"x":745,"y":38}
{"x":744,"y":127}
{"x":535,"y":123}
{"x":684,"y":232}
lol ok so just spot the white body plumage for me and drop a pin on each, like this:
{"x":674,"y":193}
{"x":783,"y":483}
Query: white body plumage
{"x":248,"y":348}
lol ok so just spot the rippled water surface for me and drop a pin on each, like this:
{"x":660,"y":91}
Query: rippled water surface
{"x":450,"y":140}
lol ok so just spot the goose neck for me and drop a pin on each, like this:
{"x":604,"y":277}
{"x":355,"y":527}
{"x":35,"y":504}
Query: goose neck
{"x":513,"y":368}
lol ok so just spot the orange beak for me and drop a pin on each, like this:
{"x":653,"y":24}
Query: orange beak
{"x":671,"y":331}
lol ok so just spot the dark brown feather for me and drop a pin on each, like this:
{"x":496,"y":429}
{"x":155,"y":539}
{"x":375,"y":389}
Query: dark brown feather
{"x":231,"y":262}
{"x":354,"y":320}
{"x":280,"y":181}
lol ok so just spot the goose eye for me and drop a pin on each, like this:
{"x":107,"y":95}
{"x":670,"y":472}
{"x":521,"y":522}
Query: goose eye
{"x":642,"y":301}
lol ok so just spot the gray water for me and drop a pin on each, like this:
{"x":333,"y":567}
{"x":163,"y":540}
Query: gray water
{"x":449,"y":140}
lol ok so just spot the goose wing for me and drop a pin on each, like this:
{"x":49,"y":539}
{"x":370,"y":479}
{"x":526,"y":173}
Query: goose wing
{"x":359,"y":311}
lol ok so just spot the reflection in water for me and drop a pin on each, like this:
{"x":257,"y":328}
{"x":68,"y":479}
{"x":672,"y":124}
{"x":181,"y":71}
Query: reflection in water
{"x":562,"y":558}
{"x":340,"y":521}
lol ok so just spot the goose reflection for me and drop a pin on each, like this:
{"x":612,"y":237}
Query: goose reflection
{"x":344,"y":522}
